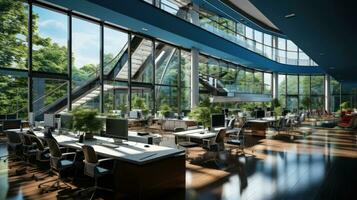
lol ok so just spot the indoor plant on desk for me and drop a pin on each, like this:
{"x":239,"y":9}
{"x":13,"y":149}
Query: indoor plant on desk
{"x":165,"y":110}
{"x":85,"y":121}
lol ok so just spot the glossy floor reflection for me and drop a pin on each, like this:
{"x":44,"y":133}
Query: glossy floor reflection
{"x":320,"y":166}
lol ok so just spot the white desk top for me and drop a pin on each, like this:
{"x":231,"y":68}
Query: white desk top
{"x":197,"y":133}
{"x":133,"y":152}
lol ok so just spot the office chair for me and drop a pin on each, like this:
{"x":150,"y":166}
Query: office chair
{"x":218,"y":142}
{"x":58,"y":163}
{"x":93,"y":167}
{"x":42,"y":152}
{"x":238,"y":138}
{"x":15,"y":145}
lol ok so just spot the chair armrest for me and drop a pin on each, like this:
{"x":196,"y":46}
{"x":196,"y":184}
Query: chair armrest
{"x":105,"y":160}
{"x":69,"y":154}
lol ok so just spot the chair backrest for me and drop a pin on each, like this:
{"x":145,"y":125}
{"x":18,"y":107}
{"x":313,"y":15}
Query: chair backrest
{"x":13,"y":137}
{"x":89,"y":154}
{"x":11,"y":124}
{"x":220,"y":136}
{"x":38,"y":142}
{"x":351,"y":123}
{"x":27,"y":139}
{"x":55,"y":151}
{"x":231,"y":123}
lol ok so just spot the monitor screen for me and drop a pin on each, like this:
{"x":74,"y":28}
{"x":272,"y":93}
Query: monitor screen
{"x":134,"y":115}
{"x":260,"y":114}
{"x":49,"y":120}
{"x":117,"y":128}
{"x":217,"y":120}
{"x":66,"y":122}
{"x":11,"y":116}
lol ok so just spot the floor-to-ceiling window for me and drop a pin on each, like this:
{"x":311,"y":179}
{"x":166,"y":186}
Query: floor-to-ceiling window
{"x":317,"y":93}
{"x":86,"y":59}
{"x":292,"y":93}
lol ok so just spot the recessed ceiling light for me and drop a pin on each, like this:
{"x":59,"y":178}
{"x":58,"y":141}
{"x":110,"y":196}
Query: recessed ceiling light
{"x":144,"y":29}
{"x":290,"y":15}
{"x":321,"y":54}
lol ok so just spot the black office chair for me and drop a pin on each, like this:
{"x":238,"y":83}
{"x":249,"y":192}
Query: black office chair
{"x":15,"y":145}
{"x":93,"y":167}
{"x":59,"y":163}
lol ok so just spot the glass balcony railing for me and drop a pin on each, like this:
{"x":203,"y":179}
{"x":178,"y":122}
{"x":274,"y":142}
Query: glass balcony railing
{"x":273,"y":47}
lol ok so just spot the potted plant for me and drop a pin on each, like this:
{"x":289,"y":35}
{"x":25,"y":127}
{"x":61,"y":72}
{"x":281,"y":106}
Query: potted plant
{"x":123,"y":109}
{"x":139,"y":103}
{"x":165,"y":110}
{"x":278,"y":112}
{"x":202,"y":115}
{"x":85,"y":120}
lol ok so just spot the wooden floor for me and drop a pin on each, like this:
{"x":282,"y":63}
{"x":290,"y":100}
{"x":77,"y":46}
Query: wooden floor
{"x":322,"y":165}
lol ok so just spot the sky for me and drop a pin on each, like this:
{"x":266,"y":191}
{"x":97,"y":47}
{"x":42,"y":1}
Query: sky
{"x":85,"y":36}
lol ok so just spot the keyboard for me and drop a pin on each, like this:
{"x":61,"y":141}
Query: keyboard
{"x":109,"y":145}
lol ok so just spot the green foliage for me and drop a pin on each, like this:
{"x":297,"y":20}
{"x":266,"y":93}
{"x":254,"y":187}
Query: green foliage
{"x":306,"y":102}
{"x":278,"y":111}
{"x":345,"y":105}
{"x":139,"y":103}
{"x":275,"y":103}
{"x":165,"y":109}
{"x":201,"y":115}
{"x":85,"y":120}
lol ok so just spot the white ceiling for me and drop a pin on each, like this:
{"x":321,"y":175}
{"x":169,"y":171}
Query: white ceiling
{"x":251,"y":10}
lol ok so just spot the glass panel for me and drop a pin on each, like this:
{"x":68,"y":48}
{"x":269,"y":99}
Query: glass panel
{"x":249,"y":82}
{"x":13,"y":95}
{"x":50,"y":49}
{"x":304,"y":85}
{"x":166,"y":95}
{"x":291,"y":46}
{"x":47,"y":92}
{"x":142,"y":99}
{"x":317,"y":103}
{"x":282,"y":89}
{"x":167,"y":64}
{"x":267,"y":83}
{"x":115,"y":97}
{"x":85,"y":52}
{"x":267,"y":40}
{"x":185,"y":68}
{"x":13,"y":34}
{"x":281,"y":43}
{"x":304,"y":102}
{"x":292,"y":82}
{"x":292,"y":58}
{"x":292,"y":103}
{"x":115,"y":47}
{"x":141,"y":60}
{"x":241,"y":80}
{"x":258,"y":82}
{"x":317,"y":85}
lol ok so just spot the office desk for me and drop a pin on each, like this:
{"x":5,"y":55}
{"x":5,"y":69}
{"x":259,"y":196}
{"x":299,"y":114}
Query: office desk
{"x":258,"y":126}
{"x":197,"y":134}
{"x":139,"y":171}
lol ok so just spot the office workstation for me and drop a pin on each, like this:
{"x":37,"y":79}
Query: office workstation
{"x":177,"y":99}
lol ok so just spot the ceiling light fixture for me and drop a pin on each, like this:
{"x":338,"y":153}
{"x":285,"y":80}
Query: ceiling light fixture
{"x":144,"y":29}
{"x":290,"y":15}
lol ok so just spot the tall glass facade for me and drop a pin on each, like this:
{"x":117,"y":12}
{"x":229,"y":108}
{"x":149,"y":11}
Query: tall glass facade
{"x":113,"y":69}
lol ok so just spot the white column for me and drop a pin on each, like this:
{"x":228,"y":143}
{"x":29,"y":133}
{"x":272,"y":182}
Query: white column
{"x":327,"y":93}
{"x":194,"y":78}
{"x":275,"y":85}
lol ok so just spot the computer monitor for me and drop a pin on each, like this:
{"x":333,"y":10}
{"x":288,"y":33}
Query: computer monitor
{"x":49,"y":120}
{"x":11,"y":116}
{"x":117,"y":128}
{"x":217,"y":120}
{"x":66,"y":122}
{"x":134,"y":114}
{"x":260,"y":114}
{"x":2,"y":117}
